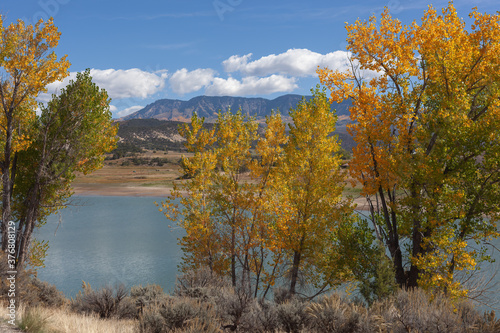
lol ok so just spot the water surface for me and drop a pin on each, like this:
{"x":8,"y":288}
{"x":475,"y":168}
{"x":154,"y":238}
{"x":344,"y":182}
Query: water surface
{"x":108,"y":240}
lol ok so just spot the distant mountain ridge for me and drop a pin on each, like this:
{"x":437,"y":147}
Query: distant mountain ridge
{"x":209,"y":106}
{"x":155,"y":134}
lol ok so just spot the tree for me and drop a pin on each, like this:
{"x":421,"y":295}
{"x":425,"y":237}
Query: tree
{"x":71,"y":135}
{"x":42,"y":152}
{"x":305,"y":195}
{"x":232,"y":197}
{"x":222,"y":212}
{"x":27,"y":67}
{"x":201,"y":244}
{"x":426,"y":127}
{"x":284,"y":212}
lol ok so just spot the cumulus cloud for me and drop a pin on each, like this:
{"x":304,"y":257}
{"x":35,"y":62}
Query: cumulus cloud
{"x":251,"y":85}
{"x":236,"y":63}
{"x":119,"y":83}
{"x":266,"y":75}
{"x":129,"y":110}
{"x":184,"y":81}
{"x":129,"y":83}
{"x":294,"y":62}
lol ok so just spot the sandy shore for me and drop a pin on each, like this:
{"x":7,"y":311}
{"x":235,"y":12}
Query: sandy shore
{"x":121,"y":190}
{"x":150,"y":191}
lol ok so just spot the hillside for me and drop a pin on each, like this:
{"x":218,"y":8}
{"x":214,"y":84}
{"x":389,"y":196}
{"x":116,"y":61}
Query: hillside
{"x":155,"y":134}
{"x":208,"y":106}
{"x":155,"y":127}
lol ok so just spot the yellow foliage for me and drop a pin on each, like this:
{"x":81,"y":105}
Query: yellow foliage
{"x":253,"y":221}
{"x":426,"y":127}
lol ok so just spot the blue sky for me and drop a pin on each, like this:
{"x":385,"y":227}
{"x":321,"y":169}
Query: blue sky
{"x":141,"y":51}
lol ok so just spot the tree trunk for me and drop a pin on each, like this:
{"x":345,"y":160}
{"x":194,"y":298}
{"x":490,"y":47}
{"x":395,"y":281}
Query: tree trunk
{"x":414,"y":272}
{"x":393,"y":241}
{"x":6,"y":183}
{"x":295,"y":272}
{"x":32,"y":203}
{"x":233,"y":257}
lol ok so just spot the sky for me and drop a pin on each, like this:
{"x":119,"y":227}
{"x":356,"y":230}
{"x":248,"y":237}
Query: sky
{"x":142,"y":51}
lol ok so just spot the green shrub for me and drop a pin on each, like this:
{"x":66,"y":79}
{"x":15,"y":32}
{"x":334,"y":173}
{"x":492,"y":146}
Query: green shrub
{"x":379,"y":281}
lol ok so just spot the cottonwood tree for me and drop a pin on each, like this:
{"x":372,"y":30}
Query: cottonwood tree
{"x":201,"y":244}
{"x":305,"y":196}
{"x":427,"y":133}
{"x":222,"y":211}
{"x":278,"y":220}
{"x":266,"y":260}
{"x":42,"y":152}
{"x":71,"y":135}
{"x":27,"y":65}
{"x":233,"y":197}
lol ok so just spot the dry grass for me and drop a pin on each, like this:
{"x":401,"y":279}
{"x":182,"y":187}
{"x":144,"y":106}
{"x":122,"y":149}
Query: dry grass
{"x":62,"y":321}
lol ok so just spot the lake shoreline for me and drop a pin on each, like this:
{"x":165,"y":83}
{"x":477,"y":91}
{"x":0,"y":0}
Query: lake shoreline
{"x":127,"y":190}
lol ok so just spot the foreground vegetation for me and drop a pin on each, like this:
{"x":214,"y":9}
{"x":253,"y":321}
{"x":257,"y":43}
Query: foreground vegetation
{"x":203,"y":302}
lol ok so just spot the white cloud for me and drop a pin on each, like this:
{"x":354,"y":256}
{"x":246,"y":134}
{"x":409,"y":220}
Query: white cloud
{"x":129,"y":110}
{"x":251,"y":86}
{"x":236,"y":63}
{"x":294,"y":62}
{"x":129,"y":83}
{"x":119,"y":83}
{"x":184,"y":81}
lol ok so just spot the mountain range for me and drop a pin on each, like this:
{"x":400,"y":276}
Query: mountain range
{"x":209,"y":106}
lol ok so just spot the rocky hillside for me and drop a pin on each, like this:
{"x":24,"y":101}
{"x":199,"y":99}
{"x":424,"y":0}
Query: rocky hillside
{"x":208,"y":106}
{"x":155,"y":134}
{"x":156,"y":126}
{"x":149,"y":134}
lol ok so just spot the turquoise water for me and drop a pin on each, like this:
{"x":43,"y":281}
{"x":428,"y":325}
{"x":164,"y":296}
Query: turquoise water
{"x":109,"y":240}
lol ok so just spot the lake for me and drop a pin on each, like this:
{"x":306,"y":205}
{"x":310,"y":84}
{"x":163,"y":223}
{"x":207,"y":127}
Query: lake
{"x":109,"y":240}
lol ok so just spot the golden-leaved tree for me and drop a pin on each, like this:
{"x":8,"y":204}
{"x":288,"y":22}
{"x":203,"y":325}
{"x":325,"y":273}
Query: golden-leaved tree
{"x":221,"y":203}
{"x":42,"y":151}
{"x":201,"y":244}
{"x":305,"y":196}
{"x":259,"y":215}
{"x":28,"y":66}
{"x":427,"y":132}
